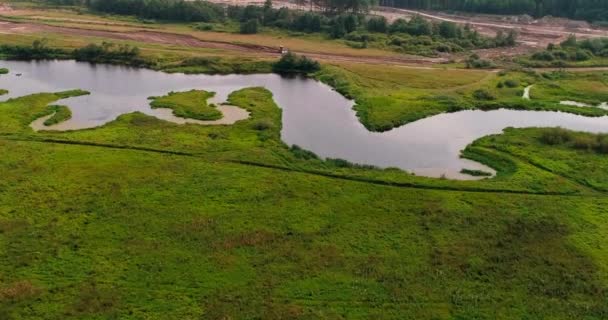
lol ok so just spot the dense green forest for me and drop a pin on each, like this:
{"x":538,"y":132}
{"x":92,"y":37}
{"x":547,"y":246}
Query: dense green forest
{"x":591,"y":10}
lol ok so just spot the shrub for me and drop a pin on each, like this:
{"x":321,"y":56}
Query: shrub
{"x":476,"y":173}
{"x":302,"y":153}
{"x":377,"y":24}
{"x":512,"y":83}
{"x":582,"y":55}
{"x":602,"y":144}
{"x":204,"y":27}
{"x":483,"y":94}
{"x":262,"y":125}
{"x":475,"y":62}
{"x":249,"y":27}
{"x":108,"y":53}
{"x":556,"y":136}
{"x":292,"y":63}
{"x":584,"y":142}
{"x":544,"y":56}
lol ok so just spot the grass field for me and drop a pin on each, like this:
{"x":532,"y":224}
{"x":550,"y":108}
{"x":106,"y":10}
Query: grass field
{"x":389,"y":96}
{"x":146,"y":219}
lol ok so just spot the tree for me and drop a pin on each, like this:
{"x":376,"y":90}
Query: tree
{"x":249,"y":27}
{"x":292,"y":63}
{"x":377,"y":24}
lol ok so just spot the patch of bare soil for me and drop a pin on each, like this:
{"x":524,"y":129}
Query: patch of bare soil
{"x":5,"y":7}
{"x":191,"y":41}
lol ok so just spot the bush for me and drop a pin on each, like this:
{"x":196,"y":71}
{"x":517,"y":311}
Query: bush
{"x":204,"y":27}
{"x":602,"y":144}
{"x":474,"y":62}
{"x":543,"y":56}
{"x":249,"y":27}
{"x":108,"y":53}
{"x":556,"y":136}
{"x":377,"y":24}
{"x":581,"y":55}
{"x":302,"y":153}
{"x":585,"y":142}
{"x":512,"y":83}
{"x":360,"y":37}
{"x":292,"y":63}
{"x":262,"y":125}
{"x":483,"y":94}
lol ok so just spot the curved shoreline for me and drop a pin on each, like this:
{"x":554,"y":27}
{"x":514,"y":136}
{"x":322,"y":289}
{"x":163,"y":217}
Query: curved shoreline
{"x":314,"y":116}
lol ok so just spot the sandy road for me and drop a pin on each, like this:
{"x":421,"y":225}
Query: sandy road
{"x":185,"y":40}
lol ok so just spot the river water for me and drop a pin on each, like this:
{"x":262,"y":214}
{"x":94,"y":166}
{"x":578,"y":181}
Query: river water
{"x":315,"y":117}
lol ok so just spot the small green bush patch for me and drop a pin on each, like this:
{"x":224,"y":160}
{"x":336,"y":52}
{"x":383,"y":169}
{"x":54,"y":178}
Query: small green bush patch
{"x":61,"y":114}
{"x":476,"y":173}
{"x":190,"y":104}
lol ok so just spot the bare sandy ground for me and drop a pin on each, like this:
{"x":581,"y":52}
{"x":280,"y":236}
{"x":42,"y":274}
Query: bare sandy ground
{"x":534,"y":34}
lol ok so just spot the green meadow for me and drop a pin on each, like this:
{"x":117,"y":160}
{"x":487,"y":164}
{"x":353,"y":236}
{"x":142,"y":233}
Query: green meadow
{"x":145,"y":219}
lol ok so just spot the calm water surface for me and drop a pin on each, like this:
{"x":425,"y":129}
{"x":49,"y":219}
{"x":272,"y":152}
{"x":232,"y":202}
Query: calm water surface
{"x":314,"y":116}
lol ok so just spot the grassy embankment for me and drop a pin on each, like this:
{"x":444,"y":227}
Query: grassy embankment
{"x":191,"y":104}
{"x":61,"y":113}
{"x":577,"y":155}
{"x":110,"y":222}
{"x":388,"y":97}
{"x":257,"y":141}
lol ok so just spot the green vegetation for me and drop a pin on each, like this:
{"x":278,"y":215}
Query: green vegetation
{"x":230,"y":223}
{"x":105,"y":53}
{"x":61,"y":113}
{"x":36,"y":51}
{"x":578,"y":156}
{"x":191,"y":104}
{"x":476,"y":173}
{"x":218,"y":65}
{"x":249,"y":27}
{"x":292,"y":63}
{"x":590,"y":10}
{"x":109,"y":53}
{"x":339,"y":20}
{"x":570,"y":52}
{"x":3,"y":92}
{"x":589,"y":88}
{"x":3,"y":71}
{"x":580,"y":141}
{"x":387,"y":97}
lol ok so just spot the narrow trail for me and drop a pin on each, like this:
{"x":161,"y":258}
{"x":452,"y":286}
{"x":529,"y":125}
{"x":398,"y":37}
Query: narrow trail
{"x":406,"y":185}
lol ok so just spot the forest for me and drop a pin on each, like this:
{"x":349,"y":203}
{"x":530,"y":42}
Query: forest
{"x":590,"y":10}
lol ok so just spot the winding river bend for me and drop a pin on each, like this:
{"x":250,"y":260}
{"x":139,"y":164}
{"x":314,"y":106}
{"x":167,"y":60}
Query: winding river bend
{"x":314,"y":116}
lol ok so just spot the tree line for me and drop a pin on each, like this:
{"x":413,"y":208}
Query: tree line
{"x":590,"y":10}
